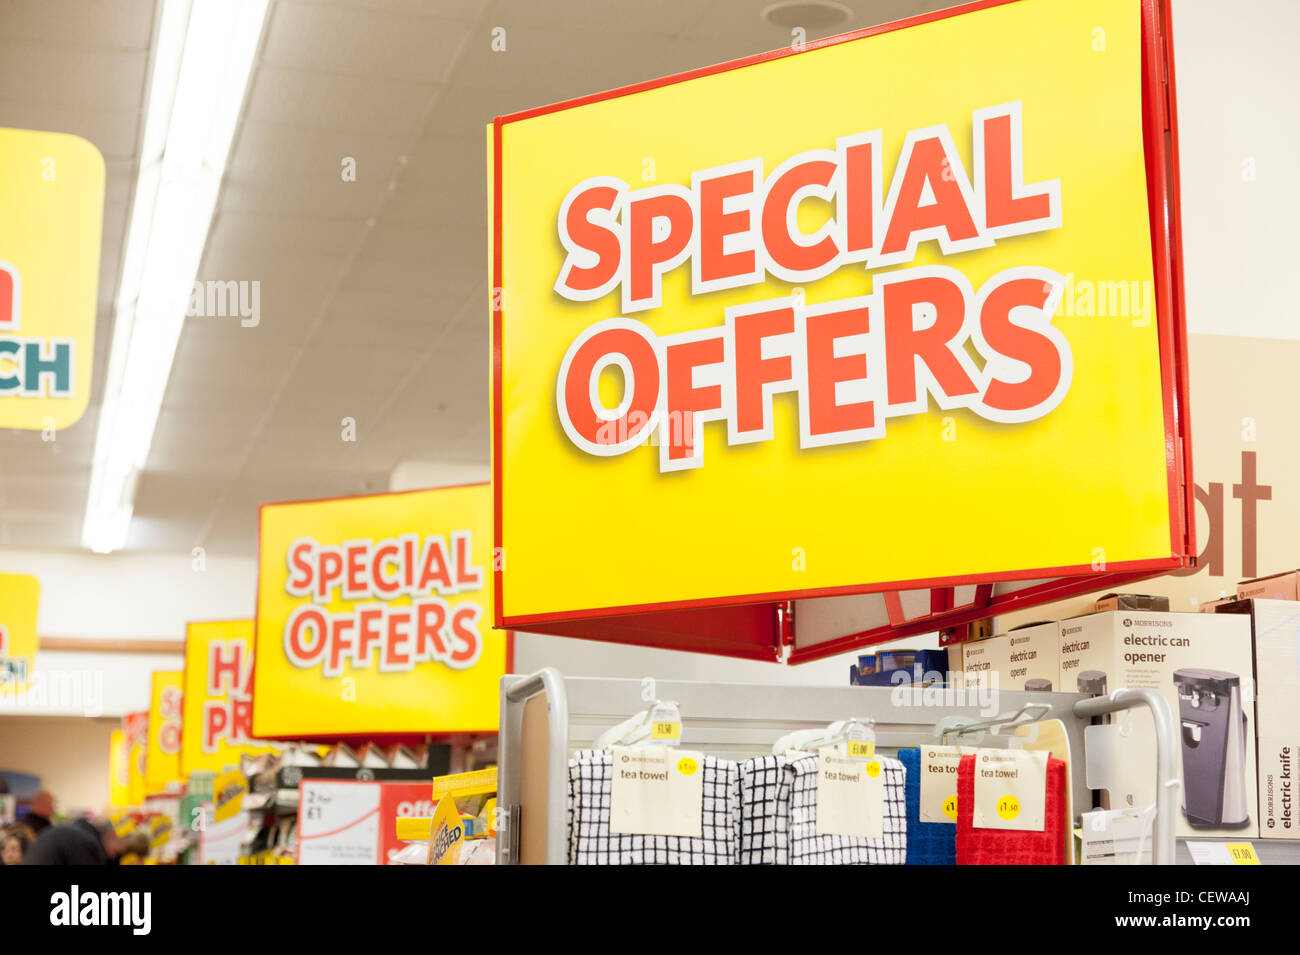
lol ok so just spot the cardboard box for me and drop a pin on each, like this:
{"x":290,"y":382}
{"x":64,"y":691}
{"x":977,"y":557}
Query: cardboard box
{"x":1275,"y":626}
{"x":1130,"y":602}
{"x":1284,"y":586}
{"x":1204,"y":667}
{"x":1212,"y":606}
{"x":1279,"y":808}
{"x":1033,"y":653}
{"x":1028,"y":653}
{"x":982,"y":657}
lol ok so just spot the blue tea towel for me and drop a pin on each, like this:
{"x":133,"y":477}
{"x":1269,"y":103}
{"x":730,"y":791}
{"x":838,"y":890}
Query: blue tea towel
{"x":928,"y":843}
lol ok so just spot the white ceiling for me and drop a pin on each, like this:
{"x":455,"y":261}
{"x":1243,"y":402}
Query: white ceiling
{"x":373,"y":292}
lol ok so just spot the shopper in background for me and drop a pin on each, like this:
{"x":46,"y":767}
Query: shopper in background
{"x":40,"y":814}
{"x":14,"y":843}
{"x":83,"y":842}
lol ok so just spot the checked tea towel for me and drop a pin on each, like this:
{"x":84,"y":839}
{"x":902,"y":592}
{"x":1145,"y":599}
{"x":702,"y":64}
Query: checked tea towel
{"x":779,"y":817}
{"x":591,"y":775}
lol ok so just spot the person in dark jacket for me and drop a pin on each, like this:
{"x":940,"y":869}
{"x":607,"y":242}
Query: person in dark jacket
{"x":40,"y":814}
{"x":82,"y":842}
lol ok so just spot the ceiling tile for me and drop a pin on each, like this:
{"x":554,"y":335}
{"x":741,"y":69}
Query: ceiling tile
{"x":366,"y":42}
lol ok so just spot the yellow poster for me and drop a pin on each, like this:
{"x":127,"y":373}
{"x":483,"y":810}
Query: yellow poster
{"x":135,"y":727}
{"x":52,"y":193}
{"x":446,"y":833}
{"x":228,"y":791}
{"x":19,"y":598}
{"x":217,"y":696}
{"x":119,"y":772}
{"x":875,"y":312}
{"x":373,"y":616}
{"x":163,"y":759}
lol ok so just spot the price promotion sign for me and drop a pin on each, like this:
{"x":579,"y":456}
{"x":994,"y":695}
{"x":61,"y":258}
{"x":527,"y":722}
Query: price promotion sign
{"x":893,"y":311}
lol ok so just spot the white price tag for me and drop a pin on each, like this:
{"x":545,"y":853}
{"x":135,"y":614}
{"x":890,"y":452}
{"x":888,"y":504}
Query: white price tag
{"x":939,"y":783}
{"x":1010,"y":789}
{"x":850,"y":796}
{"x":656,"y":790}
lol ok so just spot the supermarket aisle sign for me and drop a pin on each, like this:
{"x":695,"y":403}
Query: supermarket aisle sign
{"x":163,"y":759}
{"x":347,"y":822}
{"x":217,"y":696}
{"x":119,"y":770}
{"x":745,"y":335}
{"x":372,"y":616}
{"x":135,"y":739}
{"x":52,"y":193}
{"x":19,"y":599}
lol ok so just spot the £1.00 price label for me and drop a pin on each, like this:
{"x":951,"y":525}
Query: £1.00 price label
{"x":1243,"y":853}
{"x":666,"y":730}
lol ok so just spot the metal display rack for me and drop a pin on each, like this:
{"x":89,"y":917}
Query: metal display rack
{"x":546,"y":716}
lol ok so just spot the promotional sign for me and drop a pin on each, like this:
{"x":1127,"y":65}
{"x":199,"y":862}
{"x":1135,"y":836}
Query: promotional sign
{"x":119,"y":772}
{"x":162,"y":765}
{"x":372,"y":616}
{"x":220,"y":842}
{"x":135,"y":733}
{"x":446,"y":833}
{"x":52,"y":191}
{"x":217,"y":701}
{"x":405,"y":800}
{"x":228,"y":792}
{"x":860,"y":316}
{"x":19,"y":596}
{"x":339,"y":822}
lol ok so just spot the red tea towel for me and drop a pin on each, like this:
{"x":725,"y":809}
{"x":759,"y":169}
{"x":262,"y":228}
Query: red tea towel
{"x":1011,"y":846}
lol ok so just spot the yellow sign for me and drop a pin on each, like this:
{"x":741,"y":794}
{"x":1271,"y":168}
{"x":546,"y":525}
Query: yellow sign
{"x":119,"y":770}
{"x":160,"y":832}
{"x":1008,"y":807}
{"x":665,"y":729}
{"x":372,"y":616}
{"x":217,"y":696}
{"x":860,"y":748}
{"x":19,"y":597}
{"x":777,"y":329}
{"x":950,"y":807}
{"x":163,"y":760}
{"x":228,"y":791}
{"x":52,"y":193}
{"x":135,"y":727}
{"x":447,"y":832}
{"x":1243,"y":853}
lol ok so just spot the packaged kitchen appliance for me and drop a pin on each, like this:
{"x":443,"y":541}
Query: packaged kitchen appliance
{"x":1027,"y":658}
{"x":1203,"y":665}
{"x":1275,"y":625}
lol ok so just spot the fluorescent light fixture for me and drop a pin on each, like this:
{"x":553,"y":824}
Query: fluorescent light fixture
{"x":203,"y":58}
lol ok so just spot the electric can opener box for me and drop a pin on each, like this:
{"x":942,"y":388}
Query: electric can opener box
{"x":1024,"y":659}
{"x":1203,"y":665}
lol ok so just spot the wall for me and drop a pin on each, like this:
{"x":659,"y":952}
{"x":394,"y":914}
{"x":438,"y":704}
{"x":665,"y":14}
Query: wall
{"x":133,"y":595}
{"x":70,"y":754}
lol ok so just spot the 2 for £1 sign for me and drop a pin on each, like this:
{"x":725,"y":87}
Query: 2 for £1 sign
{"x":373,"y":616}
